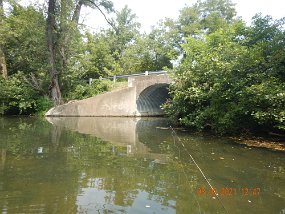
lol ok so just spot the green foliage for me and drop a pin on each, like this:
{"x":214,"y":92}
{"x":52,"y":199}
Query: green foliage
{"x":231,"y":80}
{"x":78,"y":57}
{"x":98,"y":59}
{"x":125,"y":30}
{"x":203,"y":17}
{"x":85,"y":91}
{"x":22,"y":36}
{"x":42,"y":105}
{"x":147,"y":54}
{"x":18,"y":97}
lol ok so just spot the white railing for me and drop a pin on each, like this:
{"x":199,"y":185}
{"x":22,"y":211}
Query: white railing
{"x":114,"y":78}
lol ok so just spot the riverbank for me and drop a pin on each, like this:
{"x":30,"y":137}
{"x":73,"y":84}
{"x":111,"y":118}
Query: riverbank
{"x":268,"y":142}
{"x":260,"y":142}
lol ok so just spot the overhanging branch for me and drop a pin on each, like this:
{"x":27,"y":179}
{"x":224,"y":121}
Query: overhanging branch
{"x":104,"y":15}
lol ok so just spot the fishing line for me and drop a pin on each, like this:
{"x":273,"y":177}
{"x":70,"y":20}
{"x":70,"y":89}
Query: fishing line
{"x":187,"y":175}
{"x":208,"y":182}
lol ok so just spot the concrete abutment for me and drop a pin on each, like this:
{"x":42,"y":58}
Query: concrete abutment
{"x":143,"y":97}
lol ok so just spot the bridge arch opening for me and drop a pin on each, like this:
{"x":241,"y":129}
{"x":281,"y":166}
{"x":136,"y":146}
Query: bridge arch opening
{"x":150,"y":99}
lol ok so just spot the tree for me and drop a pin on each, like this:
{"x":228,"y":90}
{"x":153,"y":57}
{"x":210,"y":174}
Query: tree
{"x":25,"y":92}
{"x":148,"y":53}
{"x":124,"y":32}
{"x":206,"y":16}
{"x":99,"y":58}
{"x":51,"y":39}
{"x":3,"y":65}
{"x":203,"y":17}
{"x":25,"y":49}
{"x":60,"y":34}
{"x":68,"y":29}
{"x":231,"y":80}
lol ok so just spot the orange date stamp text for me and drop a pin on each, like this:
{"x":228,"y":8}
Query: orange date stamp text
{"x":228,"y":191}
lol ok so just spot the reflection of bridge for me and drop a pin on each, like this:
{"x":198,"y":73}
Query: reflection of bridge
{"x":143,"y":97}
{"x":131,"y":133}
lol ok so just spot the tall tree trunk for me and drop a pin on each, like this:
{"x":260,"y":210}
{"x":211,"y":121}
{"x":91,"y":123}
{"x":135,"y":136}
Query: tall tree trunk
{"x":76,"y":14}
{"x":67,"y":29}
{"x":3,"y":65}
{"x":64,"y":36}
{"x":50,"y":36}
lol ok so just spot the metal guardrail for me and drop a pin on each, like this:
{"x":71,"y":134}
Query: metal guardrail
{"x":114,"y":78}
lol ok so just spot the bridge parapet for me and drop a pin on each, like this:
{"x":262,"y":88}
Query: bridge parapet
{"x":114,"y":78}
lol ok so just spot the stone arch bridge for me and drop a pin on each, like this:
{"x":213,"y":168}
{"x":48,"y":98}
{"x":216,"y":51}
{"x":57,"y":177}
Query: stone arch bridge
{"x":143,"y":97}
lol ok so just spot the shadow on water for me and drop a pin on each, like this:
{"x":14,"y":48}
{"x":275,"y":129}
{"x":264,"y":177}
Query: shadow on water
{"x":130,"y":165}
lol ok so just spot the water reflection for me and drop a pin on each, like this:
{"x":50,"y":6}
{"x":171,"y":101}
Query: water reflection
{"x":126,"y":165}
{"x":128,"y":132}
{"x":3,"y":159}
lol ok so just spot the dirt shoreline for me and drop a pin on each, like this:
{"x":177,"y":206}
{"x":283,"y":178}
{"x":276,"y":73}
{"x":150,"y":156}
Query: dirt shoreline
{"x":276,"y":143}
{"x":272,"y":144}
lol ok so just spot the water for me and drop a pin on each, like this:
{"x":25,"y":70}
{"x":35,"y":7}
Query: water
{"x":127,"y":165}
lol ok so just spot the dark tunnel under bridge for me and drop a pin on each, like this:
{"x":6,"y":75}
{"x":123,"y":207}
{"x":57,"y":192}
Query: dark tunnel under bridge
{"x":151,"y":98}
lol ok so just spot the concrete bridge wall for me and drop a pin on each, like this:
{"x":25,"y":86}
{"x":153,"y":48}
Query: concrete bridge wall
{"x":143,"y":97}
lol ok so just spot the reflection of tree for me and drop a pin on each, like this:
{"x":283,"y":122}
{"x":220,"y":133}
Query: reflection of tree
{"x":32,"y":181}
{"x":55,"y":136}
{"x":71,"y":163}
{"x":3,"y":159}
{"x":123,"y":177}
{"x":108,"y":168}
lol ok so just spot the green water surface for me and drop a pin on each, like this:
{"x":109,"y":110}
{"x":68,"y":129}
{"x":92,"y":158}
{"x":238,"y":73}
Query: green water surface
{"x":127,"y":165}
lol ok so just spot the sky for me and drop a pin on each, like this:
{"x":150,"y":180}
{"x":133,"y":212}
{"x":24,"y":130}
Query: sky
{"x":149,"y":12}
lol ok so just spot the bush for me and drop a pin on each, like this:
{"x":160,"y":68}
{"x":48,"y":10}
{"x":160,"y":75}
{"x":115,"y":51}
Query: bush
{"x":43,"y":104}
{"x":85,"y":91}
{"x":231,"y":82}
{"x":18,"y":97}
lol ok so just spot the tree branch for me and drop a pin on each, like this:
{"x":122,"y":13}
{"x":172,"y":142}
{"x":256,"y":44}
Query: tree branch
{"x":35,"y":83}
{"x":104,"y":15}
